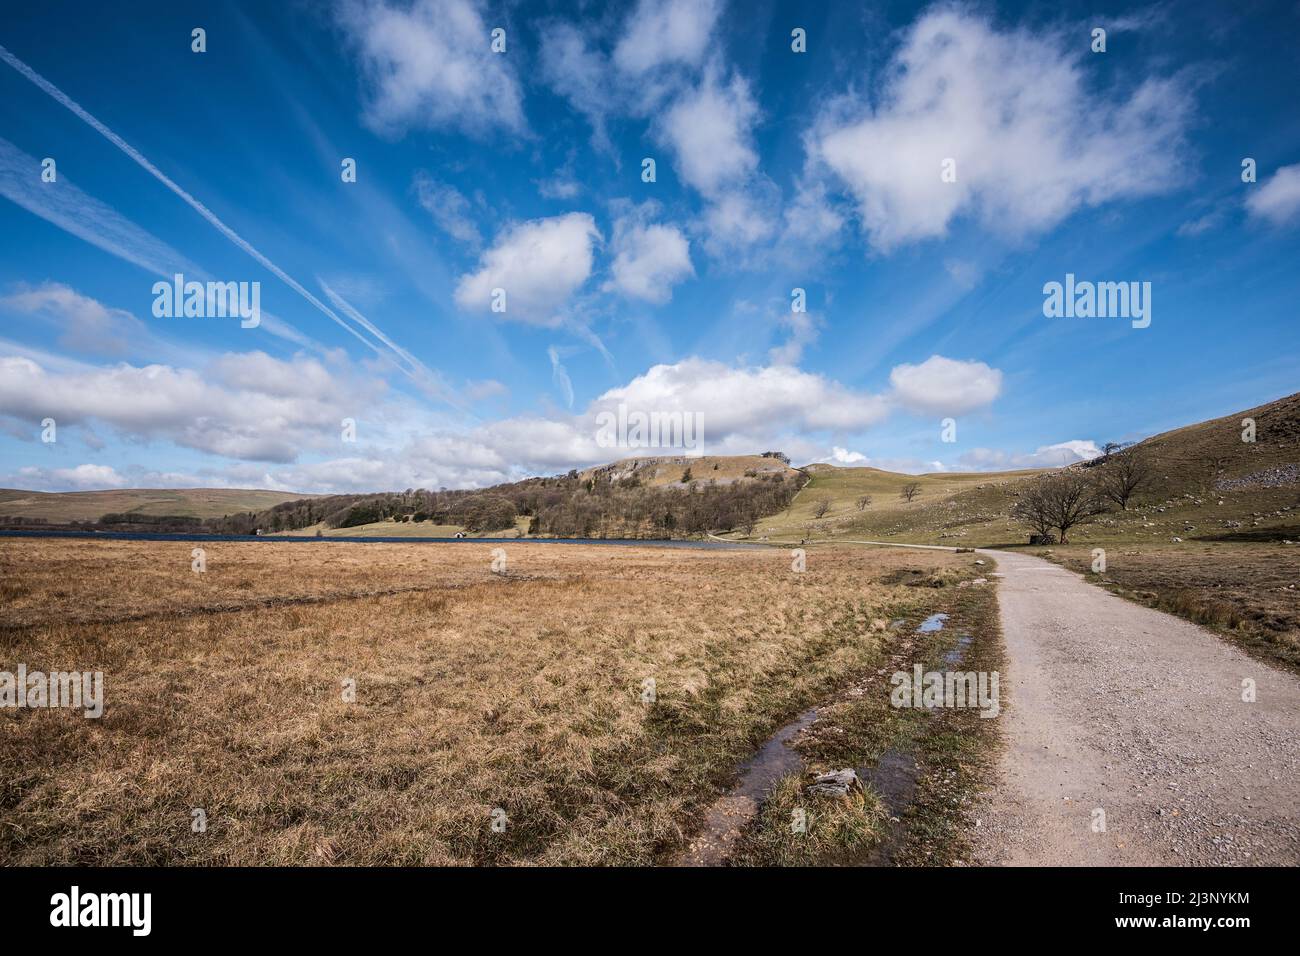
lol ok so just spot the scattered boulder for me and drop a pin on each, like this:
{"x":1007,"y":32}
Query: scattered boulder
{"x":837,"y":783}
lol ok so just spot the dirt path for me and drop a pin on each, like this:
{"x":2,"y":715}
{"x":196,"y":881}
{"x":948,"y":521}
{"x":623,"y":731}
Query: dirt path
{"x":1117,"y":707}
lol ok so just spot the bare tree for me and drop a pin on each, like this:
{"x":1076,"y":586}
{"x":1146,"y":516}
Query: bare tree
{"x":1122,"y":476}
{"x":823,"y":505}
{"x":863,"y":501}
{"x":1061,"y":501}
{"x":1111,"y":447}
{"x":910,"y":490}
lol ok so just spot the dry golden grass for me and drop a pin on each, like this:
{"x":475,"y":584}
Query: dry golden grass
{"x":475,"y":691}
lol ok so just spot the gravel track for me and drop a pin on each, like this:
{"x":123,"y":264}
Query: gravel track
{"x":1114,"y":706}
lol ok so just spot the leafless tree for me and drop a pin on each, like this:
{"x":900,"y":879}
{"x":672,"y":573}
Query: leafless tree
{"x":863,"y":501}
{"x":1122,"y":476}
{"x":910,"y":490}
{"x":823,"y":505}
{"x":1059,"y":501}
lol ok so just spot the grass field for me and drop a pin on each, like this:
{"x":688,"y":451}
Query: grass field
{"x":476,"y":692}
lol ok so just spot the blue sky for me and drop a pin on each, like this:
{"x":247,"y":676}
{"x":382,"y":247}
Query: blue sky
{"x":522,"y":170}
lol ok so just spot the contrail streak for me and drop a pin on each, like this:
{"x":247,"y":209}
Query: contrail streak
{"x":61,"y":97}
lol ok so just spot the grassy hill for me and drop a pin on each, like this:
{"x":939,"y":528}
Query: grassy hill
{"x":946,"y":506}
{"x":60,"y":507}
{"x":1206,"y":483}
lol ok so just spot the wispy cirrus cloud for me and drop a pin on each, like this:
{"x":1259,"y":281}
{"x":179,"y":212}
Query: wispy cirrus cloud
{"x":66,"y":101}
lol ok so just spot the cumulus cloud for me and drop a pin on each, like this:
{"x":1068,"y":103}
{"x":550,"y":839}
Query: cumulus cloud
{"x":945,"y":386}
{"x":85,"y":325}
{"x":709,"y":129}
{"x":80,"y":478}
{"x":247,"y":406}
{"x":649,"y":257}
{"x":275,"y":424}
{"x":1031,"y":142}
{"x":663,"y":32}
{"x":430,"y":65}
{"x":538,"y":263}
{"x":1278,"y":200}
{"x":749,"y":399}
{"x":842,"y":456}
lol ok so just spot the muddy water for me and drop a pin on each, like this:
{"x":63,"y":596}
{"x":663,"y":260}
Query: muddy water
{"x":729,"y":815}
{"x":893,"y":777}
{"x":958,"y":651}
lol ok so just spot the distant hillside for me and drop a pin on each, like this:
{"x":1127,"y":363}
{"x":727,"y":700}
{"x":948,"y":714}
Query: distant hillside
{"x":867,"y":504}
{"x":1205,"y":483}
{"x":63,"y":507}
{"x":640,"y":498}
{"x":669,"y":470}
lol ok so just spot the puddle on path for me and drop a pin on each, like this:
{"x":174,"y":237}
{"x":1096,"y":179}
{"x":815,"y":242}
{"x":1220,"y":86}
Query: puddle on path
{"x":729,"y":815}
{"x":955,"y":655}
{"x":932,"y":623}
{"x":894,"y":778}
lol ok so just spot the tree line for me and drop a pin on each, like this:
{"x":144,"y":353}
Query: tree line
{"x":569,"y":505}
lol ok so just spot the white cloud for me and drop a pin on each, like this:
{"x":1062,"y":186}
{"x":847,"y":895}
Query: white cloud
{"x":1201,"y":224}
{"x":1045,"y":456}
{"x":1278,"y":200}
{"x":737,"y":219}
{"x":560,"y":186}
{"x":246,"y":406}
{"x":709,"y":128}
{"x":843,"y":456}
{"x":813,"y":217}
{"x":944,"y":386}
{"x":481,"y":389}
{"x":274,"y":422}
{"x":579,"y":74}
{"x":85,"y":324}
{"x":430,"y":65}
{"x":450,"y":210}
{"x":649,"y":258}
{"x":803,"y":328}
{"x":538,"y":263}
{"x":1031,"y":143}
{"x":663,"y":32}
{"x":81,"y":478}
{"x":760,"y":400}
